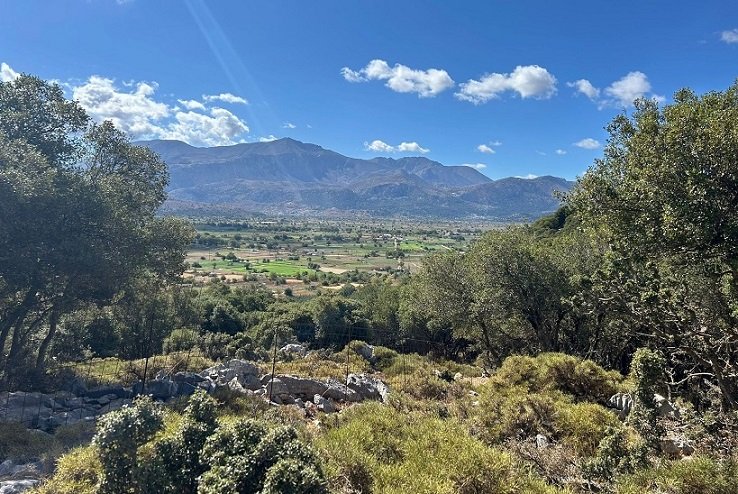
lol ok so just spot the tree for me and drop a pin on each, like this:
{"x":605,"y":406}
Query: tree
{"x":664,"y":198}
{"x":78,"y":216}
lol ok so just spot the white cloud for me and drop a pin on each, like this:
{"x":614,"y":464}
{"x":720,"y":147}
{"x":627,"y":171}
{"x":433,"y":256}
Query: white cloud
{"x":588,"y":143}
{"x":269,"y":138}
{"x":136,"y":111}
{"x":621,"y":93}
{"x":483,"y":148}
{"x":629,"y":88}
{"x":529,"y":176}
{"x":7,"y":74}
{"x":412,"y":147}
{"x":476,"y":166}
{"x":378,"y":146}
{"x":289,"y":125}
{"x":225,"y":98}
{"x":560,"y":152}
{"x":730,"y":37}
{"x":586,"y":88}
{"x":191,"y":104}
{"x":530,"y":81}
{"x":220,"y":128}
{"x":402,"y":79}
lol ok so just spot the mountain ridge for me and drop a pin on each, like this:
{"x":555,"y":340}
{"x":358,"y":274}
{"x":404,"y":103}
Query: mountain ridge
{"x":287,"y":176}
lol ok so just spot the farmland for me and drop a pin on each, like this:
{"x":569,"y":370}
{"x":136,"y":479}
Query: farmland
{"x":308,"y":254}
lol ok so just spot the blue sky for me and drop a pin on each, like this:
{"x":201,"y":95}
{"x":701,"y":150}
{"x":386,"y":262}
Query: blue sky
{"x":515,"y":88}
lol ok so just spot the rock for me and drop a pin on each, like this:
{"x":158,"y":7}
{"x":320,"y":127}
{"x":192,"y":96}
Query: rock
{"x":368,"y":387}
{"x":676,"y":447}
{"x":236,"y":387}
{"x":6,"y":468}
{"x":664,"y":407}
{"x":246,"y":373}
{"x":323,"y":404}
{"x":541,"y":441}
{"x":366,"y":351}
{"x":17,"y":486}
{"x":622,"y":402}
{"x":294,"y":349}
{"x":458,"y":376}
{"x":299,"y":403}
{"x":276,"y":387}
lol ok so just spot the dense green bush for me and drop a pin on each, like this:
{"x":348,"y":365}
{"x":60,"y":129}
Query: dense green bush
{"x":119,"y":435}
{"x":246,"y":457}
{"x":78,"y":472}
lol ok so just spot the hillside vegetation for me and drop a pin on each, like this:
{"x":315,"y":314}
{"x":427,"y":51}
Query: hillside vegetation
{"x":593,"y":350}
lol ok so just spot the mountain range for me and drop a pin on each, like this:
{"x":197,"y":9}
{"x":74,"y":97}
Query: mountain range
{"x":286,"y":176}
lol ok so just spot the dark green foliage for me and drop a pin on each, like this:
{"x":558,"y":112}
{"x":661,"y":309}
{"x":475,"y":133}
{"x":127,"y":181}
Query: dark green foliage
{"x":174,"y":464}
{"x":616,"y":455}
{"x":647,"y":371}
{"x":245,"y":457}
{"x":119,"y":435}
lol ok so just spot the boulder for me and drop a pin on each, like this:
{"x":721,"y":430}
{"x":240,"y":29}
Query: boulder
{"x":324,"y":404}
{"x":623,"y":403}
{"x":366,"y":351}
{"x":676,"y":447}
{"x":246,"y":373}
{"x":664,"y":407}
{"x":368,"y":387}
{"x":116,"y":391}
{"x":294,"y":349}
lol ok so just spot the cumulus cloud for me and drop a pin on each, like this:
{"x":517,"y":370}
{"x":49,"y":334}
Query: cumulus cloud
{"x":621,"y":93}
{"x":629,"y":88}
{"x":411,"y":147}
{"x":476,"y":166}
{"x":401,"y":78}
{"x":588,"y":143}
{"x":135,"y":110}
{"x":191,"y":104}
{"x":219,"y":128}
{"x":529,"y":176}
{"x":560,"y":152}
{"x":378,"y":146}
{"x":225,"y":98}
{"x":586,"y":88}
{"x":483,"y":148}
{"x":7,"y":74}
{"x":289,"y":125}
{"x":269,"y":138}
{"x":529,"y":81}
{"x":730,"y":37}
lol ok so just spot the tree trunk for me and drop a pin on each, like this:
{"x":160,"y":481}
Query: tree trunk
{"x":44,"y":347}
{"x":19,"y":312}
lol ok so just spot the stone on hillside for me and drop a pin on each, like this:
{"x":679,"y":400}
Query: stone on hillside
{"x":246,"y":372}
{"x":294,"y":349}
{"x":365,"y":350}
{"x":664,"y":407}
{"x":623,"y":403}
{"x":541,"y":441}
{"x":324,"y":404}
{"x":676,"y":447}
{"x":368,"y":387}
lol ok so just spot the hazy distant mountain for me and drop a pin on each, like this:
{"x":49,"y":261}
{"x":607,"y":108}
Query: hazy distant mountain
{"x":290,"y":177}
